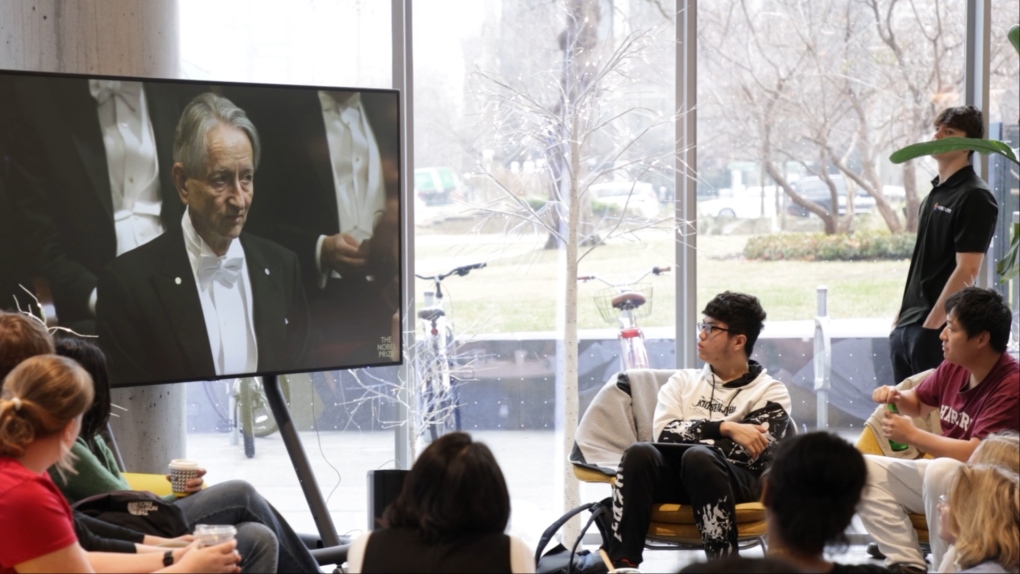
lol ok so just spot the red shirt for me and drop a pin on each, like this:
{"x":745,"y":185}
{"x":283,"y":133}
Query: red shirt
{"x":992,"y":405}
{"x":35,"y":520}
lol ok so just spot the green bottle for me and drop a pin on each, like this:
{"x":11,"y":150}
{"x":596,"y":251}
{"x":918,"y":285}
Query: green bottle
{"x":897,"y":447}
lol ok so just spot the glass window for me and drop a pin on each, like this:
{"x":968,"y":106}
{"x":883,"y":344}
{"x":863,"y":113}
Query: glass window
{"x":800,"y":105}
{"x":494,"y":93}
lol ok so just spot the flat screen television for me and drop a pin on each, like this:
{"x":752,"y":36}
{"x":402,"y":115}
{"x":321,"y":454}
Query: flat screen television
{"x":203,"y":230}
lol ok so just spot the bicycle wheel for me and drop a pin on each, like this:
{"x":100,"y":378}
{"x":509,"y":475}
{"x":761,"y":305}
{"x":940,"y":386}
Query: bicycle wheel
{"x":261,"y":421}
{"x":218,"y":393}
{"x":438,"y":408}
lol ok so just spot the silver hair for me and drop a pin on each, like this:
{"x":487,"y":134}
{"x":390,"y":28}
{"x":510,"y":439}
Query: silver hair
{"x":201,"y":115}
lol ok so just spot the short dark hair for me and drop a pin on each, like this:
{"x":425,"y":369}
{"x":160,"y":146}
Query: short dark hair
{"x":978,"y":310}
{"x":742,"y":314}
{"x":92,"y":359}
{"x":454,"y":489}
{"x":728,"y":564}
{"x":21,"y":336}
{"x":967,"y":119}
{"x":812,"y":490}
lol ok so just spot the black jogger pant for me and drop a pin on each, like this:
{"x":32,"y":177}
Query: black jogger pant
{"x":699,"y":475}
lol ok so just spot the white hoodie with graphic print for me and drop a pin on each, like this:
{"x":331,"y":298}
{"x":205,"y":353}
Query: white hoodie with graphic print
{"x":693,"y":404}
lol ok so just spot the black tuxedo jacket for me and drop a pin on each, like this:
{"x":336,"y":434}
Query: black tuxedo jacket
{"x":61,"y":182}
{"x":295,"y":196}
{"x":149,"y":317}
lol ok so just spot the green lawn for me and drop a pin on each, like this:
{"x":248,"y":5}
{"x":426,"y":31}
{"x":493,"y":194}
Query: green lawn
{"x":518,"y":291}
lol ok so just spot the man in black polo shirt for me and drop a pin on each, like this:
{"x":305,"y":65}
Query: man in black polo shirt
{"x":957,"y":221}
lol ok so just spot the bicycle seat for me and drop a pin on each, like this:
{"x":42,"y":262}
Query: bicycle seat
{"x":627,"y":301}
{"x":431,"y":313}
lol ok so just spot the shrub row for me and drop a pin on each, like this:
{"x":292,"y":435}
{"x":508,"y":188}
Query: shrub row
{"x":856,"y":246}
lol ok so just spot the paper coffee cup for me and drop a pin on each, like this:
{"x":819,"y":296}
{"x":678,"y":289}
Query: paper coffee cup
{"x":181,"y":471}
{"x":213,"y":534}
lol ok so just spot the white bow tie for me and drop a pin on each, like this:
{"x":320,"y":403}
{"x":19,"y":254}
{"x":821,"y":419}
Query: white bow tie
{"x":224,"y":270}
{"x":128,"y":91}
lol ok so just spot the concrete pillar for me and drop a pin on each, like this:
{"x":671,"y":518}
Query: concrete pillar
{"x":111,"y":37}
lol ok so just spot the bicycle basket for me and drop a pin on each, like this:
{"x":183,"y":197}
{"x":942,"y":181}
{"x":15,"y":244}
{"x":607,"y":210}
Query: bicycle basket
{"x":604,"y":301}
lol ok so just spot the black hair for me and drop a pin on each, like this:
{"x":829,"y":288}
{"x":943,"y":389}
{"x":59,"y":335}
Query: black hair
{"x":742,"y":314}
{"x":92,"y":359}
{"x":967,"y":119}
{"x":728,"y":564}
{"x":812,"y":490}
{"x":454,"y":489}
{"x":978,"y":310}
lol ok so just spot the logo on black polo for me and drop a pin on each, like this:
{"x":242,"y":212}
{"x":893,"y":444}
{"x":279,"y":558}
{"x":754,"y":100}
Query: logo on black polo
{"x":943,"y":208}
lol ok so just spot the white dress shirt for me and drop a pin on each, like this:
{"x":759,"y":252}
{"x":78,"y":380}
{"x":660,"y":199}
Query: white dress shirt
{"x":131,"y":161}
{"x":225,"y":293}
{"x":357,"y":170}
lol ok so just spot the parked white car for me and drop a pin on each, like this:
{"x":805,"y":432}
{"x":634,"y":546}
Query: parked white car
{"x":745,"y":203}
{"x":637,"y":197}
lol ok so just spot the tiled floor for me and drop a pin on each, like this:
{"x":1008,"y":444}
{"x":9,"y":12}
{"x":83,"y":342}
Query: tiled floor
{"x":342,"y":460}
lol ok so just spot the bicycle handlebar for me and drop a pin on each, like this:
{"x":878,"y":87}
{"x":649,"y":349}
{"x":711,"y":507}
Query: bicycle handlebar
{"x":458,"y":271}
{"x":657,"y":270}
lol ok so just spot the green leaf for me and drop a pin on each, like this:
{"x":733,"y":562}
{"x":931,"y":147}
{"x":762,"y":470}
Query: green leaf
{"x":1014,"y":36}
{"x":1009,"y":266}
{"x":943,"y":145}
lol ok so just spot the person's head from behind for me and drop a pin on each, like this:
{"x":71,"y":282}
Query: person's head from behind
{"x":92,"y":359}
{"x":961,"y":122}
{"x":977,"y":322}
{"x":983,"y":516}
{"x":455,"y":488}
{"x":733,"y":564}
{"x":21,"y":336}
{"x":43,"y":397}
{"x":998,"y":449}
{"x":216,"y":153}
{"x":730,"y":324}
{"x":811,"y":491}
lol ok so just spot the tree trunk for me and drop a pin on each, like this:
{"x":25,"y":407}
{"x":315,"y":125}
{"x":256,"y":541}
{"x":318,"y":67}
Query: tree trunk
{"x":913,"y":201}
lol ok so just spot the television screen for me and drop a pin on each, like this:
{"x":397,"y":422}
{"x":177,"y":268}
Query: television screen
{"x":203,"y":230}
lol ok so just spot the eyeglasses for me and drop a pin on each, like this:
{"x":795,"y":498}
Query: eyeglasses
{"x":943,"y":502}
{"x":708,"y":328}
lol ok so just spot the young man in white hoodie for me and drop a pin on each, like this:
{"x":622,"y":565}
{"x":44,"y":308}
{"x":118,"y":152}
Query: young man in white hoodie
{"x":715,"y":429}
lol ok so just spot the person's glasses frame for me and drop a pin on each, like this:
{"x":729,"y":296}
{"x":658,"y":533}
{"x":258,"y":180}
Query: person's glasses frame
{"x":709,"y":328}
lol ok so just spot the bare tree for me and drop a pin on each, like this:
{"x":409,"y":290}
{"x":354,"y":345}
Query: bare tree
{"x":833,"y":87}
{"x":578,"y":125}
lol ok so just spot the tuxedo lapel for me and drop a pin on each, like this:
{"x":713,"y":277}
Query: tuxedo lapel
{"x":164,"y":113}
{"x":317,"y":146}
{"x":175,"y":288}
{"x":82,"y":120}
{"x":267,"y":298}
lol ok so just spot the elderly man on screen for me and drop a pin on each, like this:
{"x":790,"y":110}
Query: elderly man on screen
{"x":205,"y":299}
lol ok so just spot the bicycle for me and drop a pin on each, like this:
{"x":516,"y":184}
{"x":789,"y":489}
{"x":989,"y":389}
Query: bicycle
{"x":440,"y":410}
{"x":243,"y":408}
{"x":626,"y":303}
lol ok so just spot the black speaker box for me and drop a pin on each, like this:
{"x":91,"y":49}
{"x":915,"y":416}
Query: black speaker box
{"x":383,"y":488}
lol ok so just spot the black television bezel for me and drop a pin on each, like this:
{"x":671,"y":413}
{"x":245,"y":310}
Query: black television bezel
{"x":401,"y":195}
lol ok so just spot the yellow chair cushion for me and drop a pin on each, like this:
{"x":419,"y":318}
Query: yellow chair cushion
{"x":671,"y":513}
{"x":154,"y":483}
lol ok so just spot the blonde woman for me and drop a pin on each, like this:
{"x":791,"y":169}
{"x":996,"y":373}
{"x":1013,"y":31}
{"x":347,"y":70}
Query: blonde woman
{"x":998,"y":449}
{"x":41,"y":407}
{"x":982,"y":517}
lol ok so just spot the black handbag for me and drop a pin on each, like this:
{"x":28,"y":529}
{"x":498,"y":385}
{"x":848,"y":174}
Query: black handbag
{"x":138,"y":510}
{"x":559,"y":560}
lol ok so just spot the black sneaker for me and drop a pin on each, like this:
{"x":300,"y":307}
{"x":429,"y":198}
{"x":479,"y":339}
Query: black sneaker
{"x":586,"y":562}
{"x":874,"y":552}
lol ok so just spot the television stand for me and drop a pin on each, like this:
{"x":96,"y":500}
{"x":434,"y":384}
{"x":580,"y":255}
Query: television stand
{"x":298,"y":458}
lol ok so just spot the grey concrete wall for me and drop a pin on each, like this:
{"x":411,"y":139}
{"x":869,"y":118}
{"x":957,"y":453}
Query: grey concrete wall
{"x":111,"y":37}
